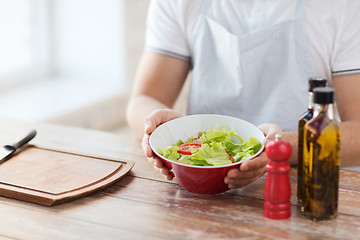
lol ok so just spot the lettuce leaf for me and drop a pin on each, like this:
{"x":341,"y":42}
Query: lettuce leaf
{"x":170,"y":152}
{"x":214,"y":154}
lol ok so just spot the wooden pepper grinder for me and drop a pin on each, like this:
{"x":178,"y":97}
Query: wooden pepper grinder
{"x":277,"y":186}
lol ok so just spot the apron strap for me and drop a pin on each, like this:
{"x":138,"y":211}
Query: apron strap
{"x":205,"y":6}
{"x":300,"y":9}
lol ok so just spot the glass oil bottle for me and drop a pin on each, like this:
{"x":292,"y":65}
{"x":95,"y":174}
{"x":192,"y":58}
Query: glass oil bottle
{"x":313,"y":83}
{"x":321,"y":158}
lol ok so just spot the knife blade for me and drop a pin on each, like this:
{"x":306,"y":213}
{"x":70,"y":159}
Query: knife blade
{"x":8,"y":150}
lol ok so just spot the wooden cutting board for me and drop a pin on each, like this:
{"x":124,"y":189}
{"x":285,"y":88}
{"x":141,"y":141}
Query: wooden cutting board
{"x":50,"y":177}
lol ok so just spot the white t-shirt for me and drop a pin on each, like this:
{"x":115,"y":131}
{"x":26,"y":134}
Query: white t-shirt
{"x":332,"y":27}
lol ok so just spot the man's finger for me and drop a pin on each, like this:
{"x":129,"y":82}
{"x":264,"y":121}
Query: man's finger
{"x":159,"y":117}
{"x":234,"y":176}
{"x":253,"y":164}
{"x":243,"y":183}
{"x":146,"y":147}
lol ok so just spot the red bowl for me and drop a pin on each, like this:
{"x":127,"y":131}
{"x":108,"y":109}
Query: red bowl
{"x":200,"y":179}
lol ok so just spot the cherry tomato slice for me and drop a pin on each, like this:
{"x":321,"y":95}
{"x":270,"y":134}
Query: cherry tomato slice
{"x":186,"y":148}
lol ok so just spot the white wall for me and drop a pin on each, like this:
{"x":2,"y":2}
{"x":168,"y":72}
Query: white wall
{"x":122,"y":42}
{"x":135,"y":27}
{"x":94,"y":49}
{"x":88,"y":39}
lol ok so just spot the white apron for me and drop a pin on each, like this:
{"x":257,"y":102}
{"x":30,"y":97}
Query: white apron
{"x":261,"y":77}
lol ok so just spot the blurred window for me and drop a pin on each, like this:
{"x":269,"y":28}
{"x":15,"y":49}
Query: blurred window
{"x":22,"y":42}
{"x":80,"y":40}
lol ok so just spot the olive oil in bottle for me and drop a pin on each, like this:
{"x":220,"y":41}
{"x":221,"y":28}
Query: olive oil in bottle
{"x":321,"y":158}
{"x":313,"y":83}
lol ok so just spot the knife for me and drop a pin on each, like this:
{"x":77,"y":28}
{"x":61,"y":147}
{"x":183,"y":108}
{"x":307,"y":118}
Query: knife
{"x":8,"y":150}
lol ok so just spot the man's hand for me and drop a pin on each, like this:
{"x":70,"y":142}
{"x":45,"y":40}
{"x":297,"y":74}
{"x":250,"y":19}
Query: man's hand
{"x":155,"y":119}
{"x":251,"y":170}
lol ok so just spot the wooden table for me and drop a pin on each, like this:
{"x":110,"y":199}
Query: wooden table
{"x":145,"y":206}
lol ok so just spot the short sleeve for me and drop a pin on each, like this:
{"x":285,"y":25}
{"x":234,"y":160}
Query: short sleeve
{"x":165,"y":29}
{"x":347,"y":49}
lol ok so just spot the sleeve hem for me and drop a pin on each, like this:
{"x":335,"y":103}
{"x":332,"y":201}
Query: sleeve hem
{"x":346,"y":71}
{"x":169,"y":53}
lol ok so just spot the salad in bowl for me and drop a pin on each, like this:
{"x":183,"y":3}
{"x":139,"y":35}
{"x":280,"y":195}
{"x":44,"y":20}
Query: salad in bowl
{"x":215,"y":147}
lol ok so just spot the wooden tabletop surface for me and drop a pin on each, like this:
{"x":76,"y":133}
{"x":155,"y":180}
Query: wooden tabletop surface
{"x":143,"y":205}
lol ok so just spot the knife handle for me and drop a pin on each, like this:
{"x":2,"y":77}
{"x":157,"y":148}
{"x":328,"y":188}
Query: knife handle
{"x":22,"y":141}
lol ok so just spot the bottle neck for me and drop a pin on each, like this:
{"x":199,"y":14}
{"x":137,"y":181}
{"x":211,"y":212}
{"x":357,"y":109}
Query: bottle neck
{"x":327,"y":109}
{"x":311,"y":100}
